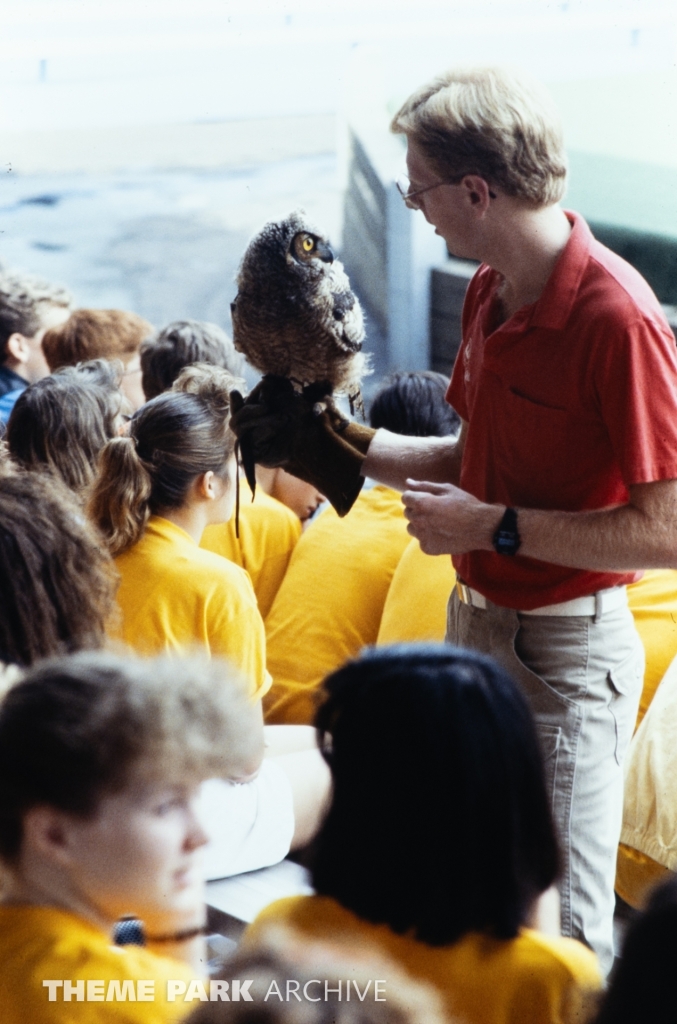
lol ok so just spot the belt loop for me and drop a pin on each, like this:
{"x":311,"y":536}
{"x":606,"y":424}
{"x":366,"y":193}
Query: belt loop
{"x":599,"y":606}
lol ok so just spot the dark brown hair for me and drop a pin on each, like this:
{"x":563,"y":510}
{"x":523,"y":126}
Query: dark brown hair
{"x":56,"y":583}
{"x":172,"y":439}
{"x":62,"y":422}
{"x":180,"y":344}
{"x":94,"y":334}
{"x":413,"y":403}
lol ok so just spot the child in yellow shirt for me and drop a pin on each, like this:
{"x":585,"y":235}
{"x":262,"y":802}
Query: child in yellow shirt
{"x":101,"y":759}
{"x":156,"y":491}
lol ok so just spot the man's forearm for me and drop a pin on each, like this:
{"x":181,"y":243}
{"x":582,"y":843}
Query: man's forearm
{"x":618,"y":539}
{"x":393,"y":458}
{"x":639,"y":535}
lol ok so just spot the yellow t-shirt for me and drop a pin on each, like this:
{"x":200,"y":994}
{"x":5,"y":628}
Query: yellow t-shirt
{"x":416,"y":605}
{"x":40,"y":944}
{"x":174,"y":596}
{"x":268,"y":535}
{"x":330,"y":603}
{"x":653,"y":603}
{"x":532,"y":979}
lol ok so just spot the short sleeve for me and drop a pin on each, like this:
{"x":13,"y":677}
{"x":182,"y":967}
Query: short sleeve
{"x":237,"y":632}
{"x":250,"y":825}
{"x":636,"y":388}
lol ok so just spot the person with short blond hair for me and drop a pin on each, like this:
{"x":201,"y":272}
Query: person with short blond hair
{"x":562,"y":485}
{"x":101,"y":334}
{"x":101,"y":763}
{"x":489,"y":122}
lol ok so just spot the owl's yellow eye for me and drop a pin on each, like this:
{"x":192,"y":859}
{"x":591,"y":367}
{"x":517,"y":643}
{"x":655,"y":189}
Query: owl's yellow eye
{"x":308,"y":244}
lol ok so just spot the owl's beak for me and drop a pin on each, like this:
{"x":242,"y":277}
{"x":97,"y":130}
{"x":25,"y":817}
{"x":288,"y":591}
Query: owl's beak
{"x":324,"y":252}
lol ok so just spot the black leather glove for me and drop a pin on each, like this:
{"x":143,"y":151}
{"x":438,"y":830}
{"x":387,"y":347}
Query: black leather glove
{"x":305,"y":433}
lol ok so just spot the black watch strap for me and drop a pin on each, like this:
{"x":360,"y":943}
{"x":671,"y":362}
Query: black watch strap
{"x":506,"y":539}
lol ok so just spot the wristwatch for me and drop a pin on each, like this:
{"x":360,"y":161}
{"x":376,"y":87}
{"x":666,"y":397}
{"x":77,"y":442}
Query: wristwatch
{"x":506,"y":539}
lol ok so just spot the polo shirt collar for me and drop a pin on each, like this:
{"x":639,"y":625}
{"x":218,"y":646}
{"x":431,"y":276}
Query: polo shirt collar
{"x":559,"y":295}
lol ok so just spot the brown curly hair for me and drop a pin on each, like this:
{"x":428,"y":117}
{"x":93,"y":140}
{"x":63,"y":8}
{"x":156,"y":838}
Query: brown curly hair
{"x":57,"y":584}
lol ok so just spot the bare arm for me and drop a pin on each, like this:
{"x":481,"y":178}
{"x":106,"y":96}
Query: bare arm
{"x":393,"y":458}
{"x":639,"y":535}
{"x":310,"y":780}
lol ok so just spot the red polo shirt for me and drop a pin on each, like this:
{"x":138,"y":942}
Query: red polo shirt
{"x":568,"y":403}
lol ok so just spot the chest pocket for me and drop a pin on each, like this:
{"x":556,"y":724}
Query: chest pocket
{"x":537,"y":452}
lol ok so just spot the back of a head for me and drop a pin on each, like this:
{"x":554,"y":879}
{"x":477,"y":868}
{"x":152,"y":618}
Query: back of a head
{"x":95,"y":334}
{"x":440,"y":820}
{"x":75,"y":729}
{"x":172,"y":439}
{"x":62,"y":422}
{"x":56,"y":582}
{"x":413,"y":403}
{"x":23,"y":297}
{"x":181,"y":344}
{"x":491,"y":122}
{"x":642,"y":986}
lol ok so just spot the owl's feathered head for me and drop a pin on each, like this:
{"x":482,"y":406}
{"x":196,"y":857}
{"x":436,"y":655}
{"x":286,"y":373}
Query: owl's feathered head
{"x":292,"y":247}
{"x":295,"y":314}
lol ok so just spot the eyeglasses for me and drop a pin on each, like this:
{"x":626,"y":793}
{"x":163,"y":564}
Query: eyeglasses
{"x":404,"y":185}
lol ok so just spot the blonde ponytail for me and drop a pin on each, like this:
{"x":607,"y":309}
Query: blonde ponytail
{"x":119,"y":499}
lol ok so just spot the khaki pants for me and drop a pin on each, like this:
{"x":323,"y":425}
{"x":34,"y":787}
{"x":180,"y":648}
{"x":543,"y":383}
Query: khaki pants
{"x":582,"y":677}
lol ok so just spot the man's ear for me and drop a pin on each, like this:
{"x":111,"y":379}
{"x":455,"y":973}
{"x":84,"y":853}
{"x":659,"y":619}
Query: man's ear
{"x":46,"y":831}
{"x":16,"y":348}
{"x":478,"y":193}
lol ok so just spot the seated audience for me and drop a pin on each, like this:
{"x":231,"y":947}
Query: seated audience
{"x":653,"y":603}
{"x":647,"y":853}
{"x":101,"y":334}
{"x":28,"y":307}
{"x":268,"y":532}
{"x":642,"y":985}
{"x":298,"y":982}
{"x":57,"y":586}
{"x":183,"y":343}
{"x":267,"y":529}
{"x":101,"y":761}
{"x":439,"y":839}
{"x":62,"y":422}
{"x":331,"y":600}
{"x":156,"y":491}
{"x":416,"y":605}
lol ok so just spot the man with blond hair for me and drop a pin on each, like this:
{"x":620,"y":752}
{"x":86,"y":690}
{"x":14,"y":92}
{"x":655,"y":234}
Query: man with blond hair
{"x":562,"y":485}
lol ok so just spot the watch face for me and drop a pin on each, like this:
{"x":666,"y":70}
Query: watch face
{"x":507,"y":540}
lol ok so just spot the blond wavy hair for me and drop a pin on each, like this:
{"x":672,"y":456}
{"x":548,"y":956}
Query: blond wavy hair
{"x":490,"y":122}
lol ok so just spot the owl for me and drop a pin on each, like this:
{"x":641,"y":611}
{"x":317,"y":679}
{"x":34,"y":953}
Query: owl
{"x":294,"y":314}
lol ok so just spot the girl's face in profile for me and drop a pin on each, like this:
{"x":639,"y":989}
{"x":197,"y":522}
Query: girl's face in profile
{"x":140,"y":854}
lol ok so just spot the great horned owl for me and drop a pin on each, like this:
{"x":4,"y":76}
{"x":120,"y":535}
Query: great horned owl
{"x":294,"y":314}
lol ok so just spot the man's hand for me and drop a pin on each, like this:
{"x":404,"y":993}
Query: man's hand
{"x":447,"y":520}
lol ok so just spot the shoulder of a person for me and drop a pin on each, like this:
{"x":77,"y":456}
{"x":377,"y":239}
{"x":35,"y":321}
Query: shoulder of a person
{"x":563,"y":954}
{"x":615,"y":292}
{"x":303,"y":912}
